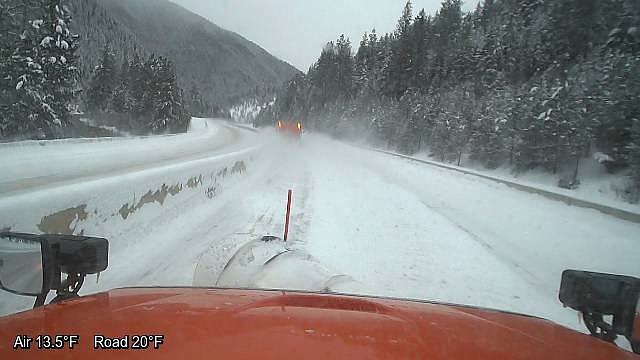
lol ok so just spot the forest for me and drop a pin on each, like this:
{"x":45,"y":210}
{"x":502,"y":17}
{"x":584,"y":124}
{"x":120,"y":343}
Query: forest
{"x":528,"y":83}
{"x":45,"y":80}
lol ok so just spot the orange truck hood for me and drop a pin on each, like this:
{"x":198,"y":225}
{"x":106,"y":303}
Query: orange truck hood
{"x":250,"y":324}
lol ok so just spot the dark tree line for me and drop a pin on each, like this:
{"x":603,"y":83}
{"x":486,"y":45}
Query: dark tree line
{"x":530,"y":83}
{"x":98,"y":28}
{"x":145,"y":90}
{"x":38,"y":67}
{"x":45,"y":73}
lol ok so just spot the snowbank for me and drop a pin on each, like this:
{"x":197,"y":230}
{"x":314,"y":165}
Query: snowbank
{"x":30,"y":165}
{"x":596,"y":184}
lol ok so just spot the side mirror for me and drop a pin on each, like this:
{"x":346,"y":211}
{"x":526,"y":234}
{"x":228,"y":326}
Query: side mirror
{"x":79,"y":254}
{"x":33,"y":265}
{"x":24,"y":264}
{"x":596,"y":295}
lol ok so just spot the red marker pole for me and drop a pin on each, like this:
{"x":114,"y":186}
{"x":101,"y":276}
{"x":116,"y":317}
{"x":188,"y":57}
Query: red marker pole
{"x":286,"y":224}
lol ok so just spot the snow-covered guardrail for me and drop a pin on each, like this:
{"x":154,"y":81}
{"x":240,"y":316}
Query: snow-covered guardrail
{"x":197,"y":128}
{"x":605,"y":209}
{"x":243,"y":126}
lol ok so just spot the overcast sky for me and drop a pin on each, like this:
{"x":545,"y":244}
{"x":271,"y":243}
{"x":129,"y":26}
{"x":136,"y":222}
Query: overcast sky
{"x":296,"y":30}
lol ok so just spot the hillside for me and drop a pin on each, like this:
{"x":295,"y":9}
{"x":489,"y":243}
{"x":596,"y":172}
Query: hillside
{"x":221,"y":64}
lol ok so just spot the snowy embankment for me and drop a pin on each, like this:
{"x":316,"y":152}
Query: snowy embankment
{"x":131,"y":191}
{"x":598,"y":188}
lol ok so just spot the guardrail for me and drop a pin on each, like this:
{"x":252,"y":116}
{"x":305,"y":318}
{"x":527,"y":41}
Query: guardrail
{"x":608,"y":210}
{"x":243,"y":127}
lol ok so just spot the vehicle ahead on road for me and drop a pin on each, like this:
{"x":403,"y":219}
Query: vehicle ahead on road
{"x":293,"y":129}
{"x":194,"y":323}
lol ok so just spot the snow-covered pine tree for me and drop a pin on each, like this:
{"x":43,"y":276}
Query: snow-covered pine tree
{"x":163,"y":92}
{"x":399,"y":72}
{"x":440,"y":135}
{"x":486,"y":139}
{"x":407,"y":138}
{"x":461,"y":113}
{"x":100,"y":92}
{"x":28,"y":112}
{"x":7,"y":44}
{"x":361,"y":66}
{"x":345,"y":67}
{"x":169,"y":113}
{"x":58,"y":60}
{"x":122,"y":100}
{"x":197,"y":104}
{"x":420,"y":50}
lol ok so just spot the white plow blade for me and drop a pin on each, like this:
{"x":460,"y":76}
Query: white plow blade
{"x":267,"y":263}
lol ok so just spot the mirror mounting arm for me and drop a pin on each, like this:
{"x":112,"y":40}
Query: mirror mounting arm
{"x":40,"y":299}
{"x":598,"y":327}
{"x":596,"y":295}
{"x":69,"y":287}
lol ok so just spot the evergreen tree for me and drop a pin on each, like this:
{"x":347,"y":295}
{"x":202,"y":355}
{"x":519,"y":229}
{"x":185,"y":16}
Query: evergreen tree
{"x":398,"y":75}
{"x":8,"y":41}
{"x":361,"y":66}
{"x":136,"y":83}
{"x":39,"y":68}
{"x":197,"y":104}
{"x":165,"y":98}
{"x":122,"y":99}
{"x":103,"y":83}
{"x":58,"y":60}
{"x":573,"y":26}
{"x":345,"y":67}
{"x":420,"y":51}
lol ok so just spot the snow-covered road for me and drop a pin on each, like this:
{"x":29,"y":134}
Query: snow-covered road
{"x":32,"y":165}
{"x":416,"y":231}
{"x":397,"y":228}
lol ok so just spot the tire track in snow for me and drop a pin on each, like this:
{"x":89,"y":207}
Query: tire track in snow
{"x":400,"y":181}
{"x":529,"y":276}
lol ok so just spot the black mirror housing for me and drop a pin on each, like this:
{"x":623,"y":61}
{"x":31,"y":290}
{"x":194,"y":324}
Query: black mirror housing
{"x":604,"y":293}
{"x":79,"y":254}
{"x":598,"y":294}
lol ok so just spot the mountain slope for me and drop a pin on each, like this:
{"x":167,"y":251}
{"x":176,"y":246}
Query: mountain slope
{"x":221,"y":64}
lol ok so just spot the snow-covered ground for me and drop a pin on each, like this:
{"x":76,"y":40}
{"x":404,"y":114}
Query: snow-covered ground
{"x":28,"y":165}
{"x":596,"y":184}
{"x":391,"y":226}
{"x":113,"y":129}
